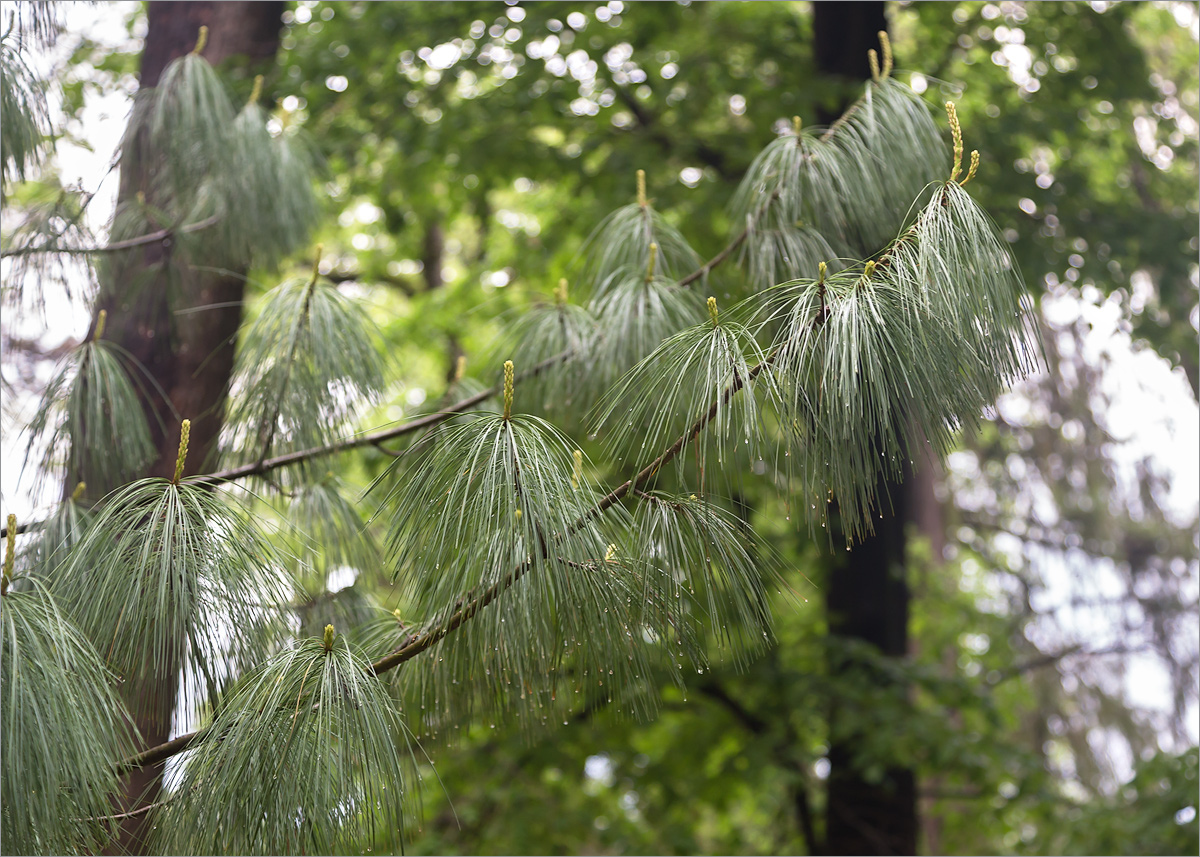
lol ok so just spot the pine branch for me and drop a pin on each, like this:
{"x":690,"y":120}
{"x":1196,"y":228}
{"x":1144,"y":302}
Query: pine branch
{"x":428,"y":639}
{"x":127,"y":244}
{"x":372,"y":438}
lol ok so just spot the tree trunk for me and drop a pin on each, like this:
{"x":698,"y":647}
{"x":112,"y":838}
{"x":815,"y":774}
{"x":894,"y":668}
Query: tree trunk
{"x":189,"y":356}
{"x":866,"y":593}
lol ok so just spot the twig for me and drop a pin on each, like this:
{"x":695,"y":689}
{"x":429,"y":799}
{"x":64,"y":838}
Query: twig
{"x":736,"y":242}
{"x":374,"y":438}
{"x":127,"y":244}
{"x":133,"y":813}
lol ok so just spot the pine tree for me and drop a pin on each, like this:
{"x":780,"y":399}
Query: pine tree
{"x":883,"y":314}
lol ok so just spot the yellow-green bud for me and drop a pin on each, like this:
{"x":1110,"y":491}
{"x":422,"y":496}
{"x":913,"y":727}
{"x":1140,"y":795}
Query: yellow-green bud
{"x":712,"y":310}
{"x":328,"y":638}
{"x":641,"y":188}
{"x":610,"y":554}
{"x":560,"y":293}
{"x":396,"y":615}
{"x":201,"y":41}
{"x":577,"y":470}
{"x":796,"y":125}
{"x":256,"y":92}
{"x":517,"y":514}
{"x":873,"y":59}
{"x":956,"y":133}
{"x":886,"y":44}
{"x":652,"y":263}
{"x":101,"y":321}
{"x":868,"y":270}
{"x":316,"y":271}
{"x":78,"y":492}
{"x":508,"y":389}
{"x":974,"y":166}
{"x":460,"y":367}
{"x":185,"y":433}
{"x":10,"y":546}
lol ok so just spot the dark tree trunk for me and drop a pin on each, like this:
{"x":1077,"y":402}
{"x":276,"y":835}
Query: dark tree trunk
{"x":866,"y":593}
{"x":189,"y":356}
{"x":866,"y":601}
{"x":843,"y":32}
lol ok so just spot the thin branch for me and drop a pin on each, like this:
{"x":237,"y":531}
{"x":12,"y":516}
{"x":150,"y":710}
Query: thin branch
{"x":373,"y":438}
{"x":736,"y":242}
{"x":753,"y":723}
{"x":1054,"y":657}
{"x":127,"y":244}
{"x":134,"y":813}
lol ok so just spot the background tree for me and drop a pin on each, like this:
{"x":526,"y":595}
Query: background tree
{"x":544,"y":108}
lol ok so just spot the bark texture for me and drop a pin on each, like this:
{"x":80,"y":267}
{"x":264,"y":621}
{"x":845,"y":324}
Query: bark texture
{"x":189,"y":356}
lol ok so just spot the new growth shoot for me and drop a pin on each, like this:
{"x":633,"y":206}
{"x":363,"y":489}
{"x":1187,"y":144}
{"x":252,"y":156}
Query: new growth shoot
{"x":508,"y":389}
{"x":185,"y":433}
{"x":712,"y":310}
{"x":881,"y":74}
{"x":560,"y":292}
{"x":328,"y":641}
{"x":868,"y":272}
{"x":641,"y":188}
{"x":101,"y":321}
{"x":651,"y":264}
{"x":201,"y":41}
{"x":956,"y":132}
{"x":256,"y":92}
{"x":316,"y":269}
{"x":10,"y":545}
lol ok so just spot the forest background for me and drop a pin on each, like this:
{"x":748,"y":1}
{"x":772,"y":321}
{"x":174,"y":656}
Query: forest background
{"x":1048,"y":700}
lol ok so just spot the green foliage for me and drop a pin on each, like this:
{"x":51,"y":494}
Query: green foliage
{"x":90,"y":420}
{"x":634,"y":315}
{"x":1151,"y":812}
{"x":874,"y":365}
{"x":169,"y":575}
{"x":279,"y":200}
{"x":562,"y":334}
{"x":62,"y":726}
{"x":1089,"y":162}
{"x":531,"y":592}
{"x":23,"y":108}
{"x":706,"y":573}
{"x":328,"y":529}
{"x":308,"y":757}
{"x":220,"y":169}
{"x":495,"y":524}
{"x":821,"y":196}
{"x":686,"y":376}
{"x":59,"y":534}
{"x":619,"y":249}
{"x":304,"y":367}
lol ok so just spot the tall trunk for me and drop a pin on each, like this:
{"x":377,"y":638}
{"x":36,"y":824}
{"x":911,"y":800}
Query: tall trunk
{"x":189,"y":356}
{"x":866,"y":594}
